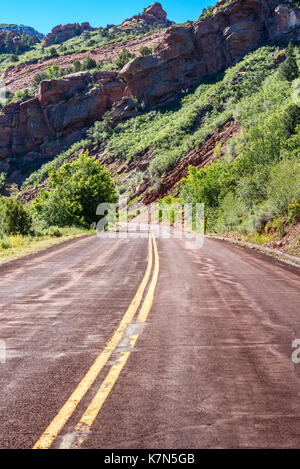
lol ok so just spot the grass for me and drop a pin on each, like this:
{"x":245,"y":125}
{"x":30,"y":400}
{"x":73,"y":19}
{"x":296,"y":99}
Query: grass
{"x":17,"y":246}
{"x":260,"y":238}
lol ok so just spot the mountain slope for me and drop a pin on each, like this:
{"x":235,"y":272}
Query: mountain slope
{"x":220,"y":94}
{"x":22,"y":29}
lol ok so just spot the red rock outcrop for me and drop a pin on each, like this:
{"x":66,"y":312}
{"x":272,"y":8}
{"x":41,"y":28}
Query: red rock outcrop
{"x":152,"y":15}
{"x":208,"y":46}
{"x":62,"y":33}
{"x":61,"y":107}
{"x":11,"y":41}
{"x":45,"y":124}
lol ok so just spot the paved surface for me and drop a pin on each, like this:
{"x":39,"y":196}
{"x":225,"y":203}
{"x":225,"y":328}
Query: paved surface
{"x":208,"y":366}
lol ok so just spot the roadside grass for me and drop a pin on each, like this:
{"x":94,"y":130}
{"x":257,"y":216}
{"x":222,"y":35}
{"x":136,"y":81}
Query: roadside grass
{"x":260,"y":238}
{"x":16,"y":246}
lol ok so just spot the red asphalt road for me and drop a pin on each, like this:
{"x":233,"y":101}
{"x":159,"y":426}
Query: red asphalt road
{"x":212,"y":367}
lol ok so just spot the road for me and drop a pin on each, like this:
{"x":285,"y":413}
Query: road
{"x":144,"y":343}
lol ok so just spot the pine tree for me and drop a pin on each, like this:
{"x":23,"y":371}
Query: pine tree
{"x":289,"y":69}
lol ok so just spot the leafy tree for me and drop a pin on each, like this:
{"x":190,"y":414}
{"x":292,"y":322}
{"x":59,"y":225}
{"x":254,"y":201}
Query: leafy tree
{"x":14,"y":217}
{"x":53,"y":51}
{"x":88,"y":64}
{"x":2,"y":180}
{"x":77,"y":66}
{"x":53,"y":71}
{"x":102,"y":130}
{"x":75,"y":191}
{"x":124,"y":57}
{"x":144,"y":51}
{"x":289,"y":70}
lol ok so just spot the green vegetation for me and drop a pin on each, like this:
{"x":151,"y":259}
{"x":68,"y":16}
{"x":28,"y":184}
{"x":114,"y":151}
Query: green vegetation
{"x":260,"y":187}
{"x":124,"y":57}
{"x":87,"y":41}
{"x":170,"y":133}
{"x":144,"y":51}
{"x":14,"y":217}
{"x":253,"y":187}
{"x":66,"y":209}
{"x":15,"y":246}
{"x":75,"y":191}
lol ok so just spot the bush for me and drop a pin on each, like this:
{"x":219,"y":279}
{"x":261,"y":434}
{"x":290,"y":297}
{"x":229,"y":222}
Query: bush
{"x":14,"y":217}
{"x":283,"y":186}
{"x":23,"y":95}
{"x":88,"y":64}
{"x":144,"y":51}
{"x":289,"y":70}
{"x":124,"y":57}
{"x":294,"y":211}
{"x":77,"y":66}
{"x":76,"y":189}
{"x":102,"y":130}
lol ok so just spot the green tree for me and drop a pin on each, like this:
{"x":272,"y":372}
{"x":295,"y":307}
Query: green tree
{"x":75,"y":191}
{"x":144,"y":51}
{"x":14,"y":217}
{"x":2,"y":180}
{"x":77,"y":66}
{"x":53,"y":51}
{"x":124,"y":57}
{"x":88,"y":64}
{"x":289,"y":70}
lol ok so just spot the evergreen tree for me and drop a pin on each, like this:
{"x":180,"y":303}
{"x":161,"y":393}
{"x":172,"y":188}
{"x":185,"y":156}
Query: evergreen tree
{"x":289,"y":70}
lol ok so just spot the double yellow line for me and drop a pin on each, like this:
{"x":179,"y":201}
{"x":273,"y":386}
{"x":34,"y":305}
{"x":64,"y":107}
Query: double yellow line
{"x":89,"y":416}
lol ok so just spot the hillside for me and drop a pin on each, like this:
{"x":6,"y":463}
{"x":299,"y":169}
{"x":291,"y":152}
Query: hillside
{"x":22,"y":29}
{"x":209,"y":112}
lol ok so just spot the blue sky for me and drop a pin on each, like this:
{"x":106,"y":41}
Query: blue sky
{"x":43,"y":15}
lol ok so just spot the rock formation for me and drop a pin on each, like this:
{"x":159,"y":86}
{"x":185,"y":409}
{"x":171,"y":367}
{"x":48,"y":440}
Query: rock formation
{"x":42,"y":125}
{"x":208,"y":46}
{"x":152,"y":15}
{"x":22,"y":29}
{"x":13,"y":41}
{"x":62,"y":33}
{"x":61,"y":107}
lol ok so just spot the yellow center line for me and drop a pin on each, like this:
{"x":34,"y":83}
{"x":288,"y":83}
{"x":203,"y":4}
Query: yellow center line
{"x":51,"y":432}
{"x":89,"y":416}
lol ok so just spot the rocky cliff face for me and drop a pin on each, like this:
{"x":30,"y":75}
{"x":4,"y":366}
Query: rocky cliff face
{"x":153,"y":15}
{"x":61,"y":107}
{"x":208,"y":46}
{"x":12,"y":42}
{"x":22,"y":29}
{"x":62,"y":33}
{"x":42,"y":125}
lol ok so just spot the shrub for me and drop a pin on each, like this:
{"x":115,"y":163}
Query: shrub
{"x":101,"y":130}
{"x":88,"y":64}
{"x":144,"y":51}
{"x":75,"y":191}
{"x":283,"y":186}
{"x":77,"y":66}
{"x":289,"y":70}
{"x":23,"y":95}
{"x":53,"y":52}
{"x":294,"y":211}
{"x":14,"y":217}
{"x":2,"y":180}
{"x":124,"y":57}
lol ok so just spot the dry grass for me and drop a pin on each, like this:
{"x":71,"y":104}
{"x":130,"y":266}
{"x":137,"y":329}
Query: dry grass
{"x":14,"y":247}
